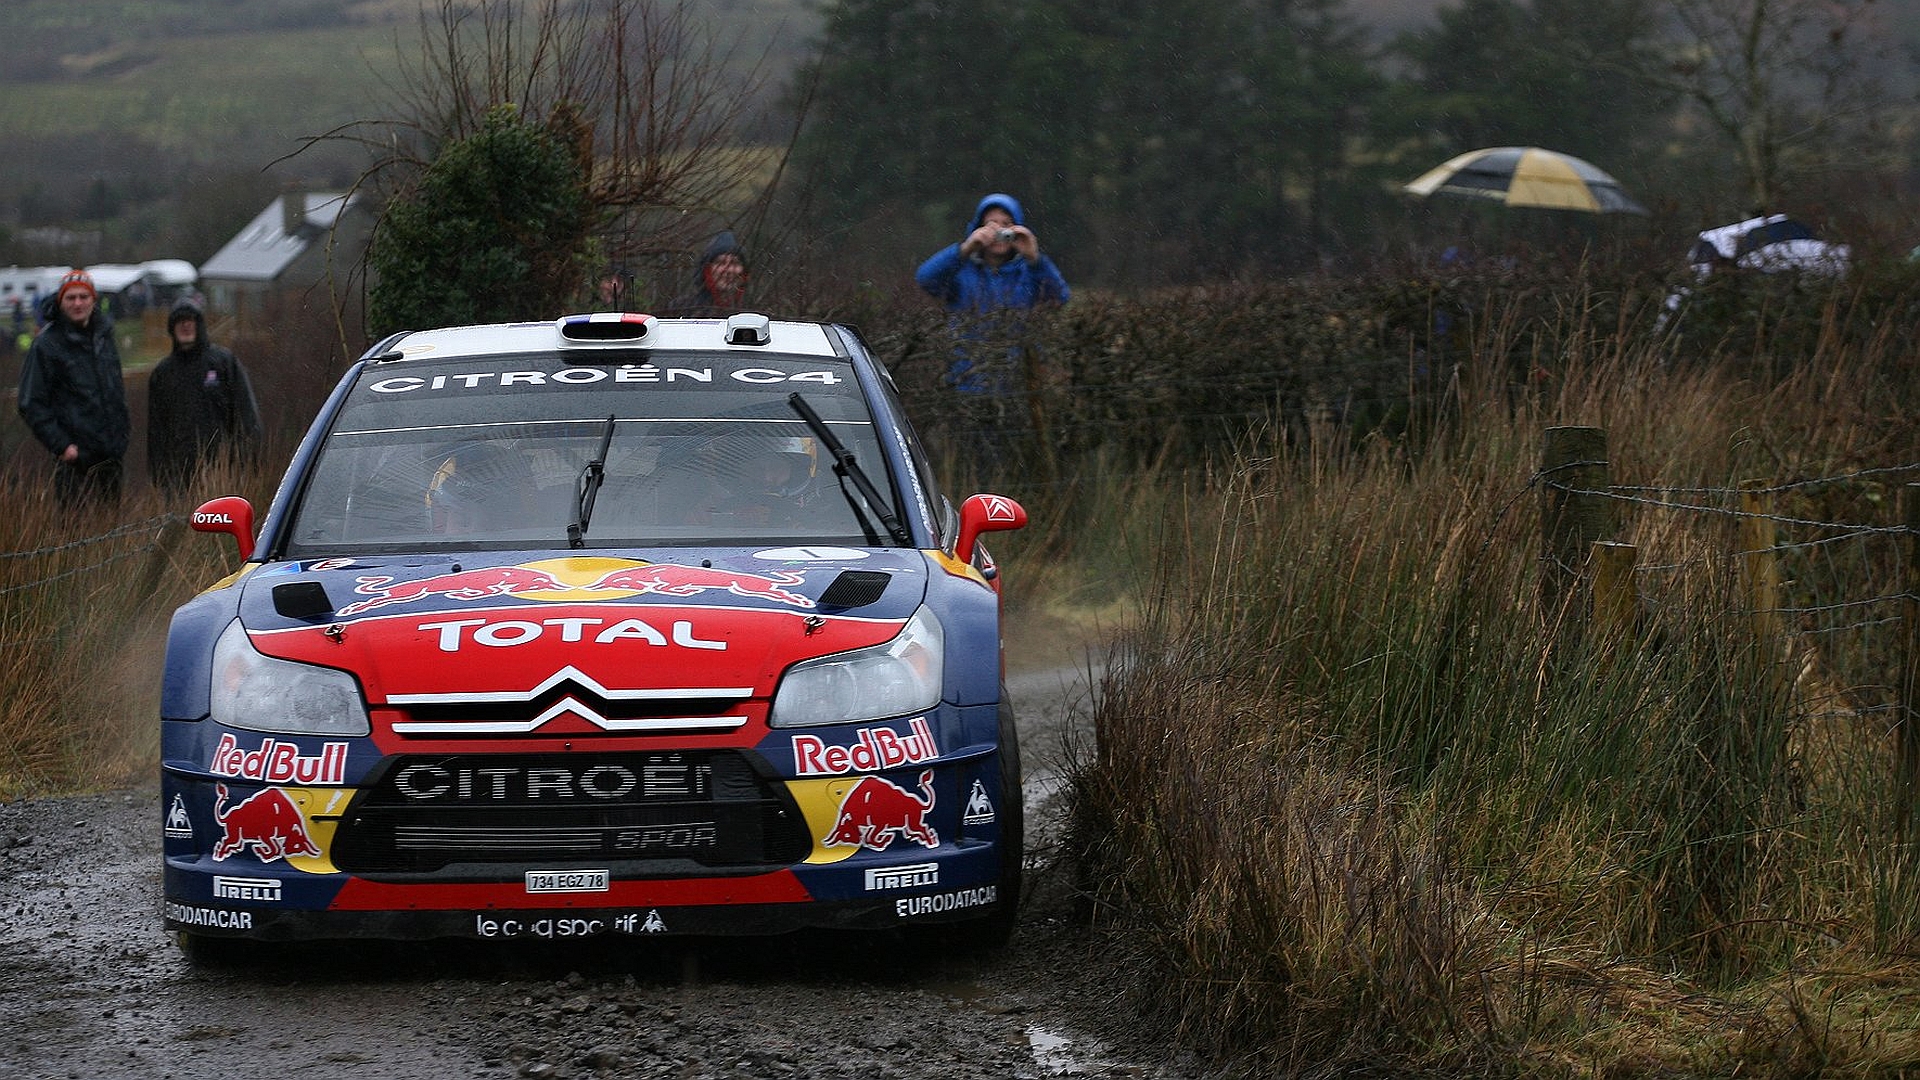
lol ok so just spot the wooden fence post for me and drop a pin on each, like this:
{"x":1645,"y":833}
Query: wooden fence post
{"x":1760,"y":574}
{"x":1905,"y":718}
{"x":1616,"y":599}
{"x":1572,"y":459}
{"x":1759,"y":565}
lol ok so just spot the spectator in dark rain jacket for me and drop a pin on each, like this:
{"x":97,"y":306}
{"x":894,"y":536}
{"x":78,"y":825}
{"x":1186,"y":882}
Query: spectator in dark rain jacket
{"x":73,"y":397}
{"x":995,"y":269}
{"x":719,"y":282}
{"x":200,"y":404}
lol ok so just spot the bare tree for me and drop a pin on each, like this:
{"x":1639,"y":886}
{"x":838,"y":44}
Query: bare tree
{"x":651,"y":104}
{"x":1786,"y":83}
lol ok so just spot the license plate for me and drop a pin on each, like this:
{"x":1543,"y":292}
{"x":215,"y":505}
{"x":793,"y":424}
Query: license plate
{"x":567,"y":880}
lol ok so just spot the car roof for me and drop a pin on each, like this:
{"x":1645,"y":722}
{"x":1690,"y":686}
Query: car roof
{"x":584,"y":334}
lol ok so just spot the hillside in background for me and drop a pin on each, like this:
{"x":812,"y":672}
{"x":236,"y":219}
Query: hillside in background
{"x":103,"y":111}
{"x":111,"y":108}
{"x":156,"y":128}
{"x":115,"y":104}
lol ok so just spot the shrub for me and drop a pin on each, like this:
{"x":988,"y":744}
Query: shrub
{"x":497,"y":230}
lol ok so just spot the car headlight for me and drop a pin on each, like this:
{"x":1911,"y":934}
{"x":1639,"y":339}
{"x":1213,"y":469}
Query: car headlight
{"x":260,"y":693}
{"x":902,"y":676}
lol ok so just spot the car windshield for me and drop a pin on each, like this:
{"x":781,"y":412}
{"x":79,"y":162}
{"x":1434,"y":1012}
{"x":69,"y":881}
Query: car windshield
{"x":495,"y":453}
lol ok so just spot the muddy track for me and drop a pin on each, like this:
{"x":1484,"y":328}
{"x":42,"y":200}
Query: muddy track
{"x":91,"y":987}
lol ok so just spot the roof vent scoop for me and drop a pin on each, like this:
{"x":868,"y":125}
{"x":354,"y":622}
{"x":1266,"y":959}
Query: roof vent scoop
{"x":605,"y":326}
{"x":748,"y":328}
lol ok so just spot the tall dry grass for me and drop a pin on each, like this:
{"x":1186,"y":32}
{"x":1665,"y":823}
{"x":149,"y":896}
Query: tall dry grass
{"x":85,"y":598}
{"x":1361,"y":801}
{"x":86,"y":594}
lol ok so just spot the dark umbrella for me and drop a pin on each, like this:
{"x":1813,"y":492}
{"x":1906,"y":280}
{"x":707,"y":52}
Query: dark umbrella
{"x":1770,"y":244}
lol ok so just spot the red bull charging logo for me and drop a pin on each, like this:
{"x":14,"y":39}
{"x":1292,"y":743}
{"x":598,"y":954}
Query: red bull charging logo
{"x":578,"y":580}
{"x":266,"y":822}
{"x":876,"y":812}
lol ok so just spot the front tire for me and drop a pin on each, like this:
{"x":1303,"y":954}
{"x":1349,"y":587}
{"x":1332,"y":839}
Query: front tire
{"x":207,"y":953}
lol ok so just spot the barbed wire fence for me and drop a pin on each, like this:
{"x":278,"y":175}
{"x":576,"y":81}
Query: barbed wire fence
{"x":149,"y":529}
{"x":33,"y":577}
{"x":1841,"y":625}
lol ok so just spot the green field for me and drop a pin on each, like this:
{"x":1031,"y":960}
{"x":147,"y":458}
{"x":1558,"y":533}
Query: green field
{"x":150,"y":97}
{"x":271,"y":88}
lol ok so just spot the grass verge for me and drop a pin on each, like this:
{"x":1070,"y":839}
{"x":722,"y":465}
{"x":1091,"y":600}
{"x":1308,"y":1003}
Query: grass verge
{"x":1360,"y":801}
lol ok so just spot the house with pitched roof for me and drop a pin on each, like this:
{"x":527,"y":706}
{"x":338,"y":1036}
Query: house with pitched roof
{"x":304,"y":249}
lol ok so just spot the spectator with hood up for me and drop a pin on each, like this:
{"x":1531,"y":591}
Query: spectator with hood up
{"x":994,"y":272}
{"x":73,"y":396}
{"x":719,"y":282}
{"x":200,"y":403}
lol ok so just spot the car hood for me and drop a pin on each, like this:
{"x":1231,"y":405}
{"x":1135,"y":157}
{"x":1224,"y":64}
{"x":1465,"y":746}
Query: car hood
{"x":514,"y":623}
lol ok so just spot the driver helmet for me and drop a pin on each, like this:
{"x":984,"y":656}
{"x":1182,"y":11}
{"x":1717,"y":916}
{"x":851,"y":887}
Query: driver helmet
{"x":790,"y":468}
{"x":473,"y":484}
{"x":763,"y":468}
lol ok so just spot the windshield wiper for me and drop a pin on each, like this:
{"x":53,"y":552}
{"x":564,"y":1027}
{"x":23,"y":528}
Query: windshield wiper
{"x":848,"y":469}
{"x":591,"y":478}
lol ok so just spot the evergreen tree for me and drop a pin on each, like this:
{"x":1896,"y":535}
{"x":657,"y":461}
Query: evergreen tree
{"x":497,"y":229}
{"x":1323,"y":88}
{"x":1564,"y":74}
{"x":1465,"y":69}
{"x":1157,"y":139}
{"x":1608,"y":110}
{"x":905,"y":101}
{"x":1179,"y":101}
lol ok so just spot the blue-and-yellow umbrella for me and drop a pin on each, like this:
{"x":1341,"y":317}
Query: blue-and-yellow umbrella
{"x":1528,"y":176}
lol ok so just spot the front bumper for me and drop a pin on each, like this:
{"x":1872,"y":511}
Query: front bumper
{"x":632,"y":916}
{"x":320,"y":849}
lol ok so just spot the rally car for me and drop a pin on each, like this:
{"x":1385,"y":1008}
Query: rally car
{"x":600,"y":627}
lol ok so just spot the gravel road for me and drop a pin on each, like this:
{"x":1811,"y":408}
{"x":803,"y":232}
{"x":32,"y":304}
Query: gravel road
{"x":90,"y":986}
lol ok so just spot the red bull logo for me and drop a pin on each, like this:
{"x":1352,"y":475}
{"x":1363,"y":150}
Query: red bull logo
{"x":876,"y":812}
{"x":541,"y":583}
{"x":672,"y":579}
{"x":279,"y":762}
{"x":266,"y":821}
{"x":460,"y":585}
{"x":876,"y":748}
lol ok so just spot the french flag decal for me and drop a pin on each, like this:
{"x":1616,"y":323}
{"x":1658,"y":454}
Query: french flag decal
{"x":605,"y":326}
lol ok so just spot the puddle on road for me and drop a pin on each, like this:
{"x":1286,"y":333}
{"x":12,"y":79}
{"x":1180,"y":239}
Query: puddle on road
{"x":1051,"y":1051}
{"x":1060,"y":1054}
{"x":1056,"y":1051}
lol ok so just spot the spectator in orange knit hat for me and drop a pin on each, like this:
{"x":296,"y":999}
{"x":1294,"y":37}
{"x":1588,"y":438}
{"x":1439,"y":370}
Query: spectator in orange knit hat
{"x":73,"y":397}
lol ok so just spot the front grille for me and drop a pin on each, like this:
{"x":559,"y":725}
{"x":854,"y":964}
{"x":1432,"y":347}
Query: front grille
{"x":426,"y":812}
{"x":459,"y":714}
{"x":564,"y":709}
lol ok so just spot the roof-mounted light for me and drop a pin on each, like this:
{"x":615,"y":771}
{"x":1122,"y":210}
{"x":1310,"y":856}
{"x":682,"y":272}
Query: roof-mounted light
{"x":749,"y":328}
{"x":605,"y":326}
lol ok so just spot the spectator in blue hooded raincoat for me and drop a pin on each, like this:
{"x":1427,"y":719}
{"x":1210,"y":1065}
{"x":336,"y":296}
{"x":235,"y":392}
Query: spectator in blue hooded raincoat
{"x":996,"y":269}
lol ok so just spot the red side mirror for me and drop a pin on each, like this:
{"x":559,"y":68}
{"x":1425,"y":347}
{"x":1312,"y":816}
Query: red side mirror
{"x":228,"y":514}
{"x":985,"y":514}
